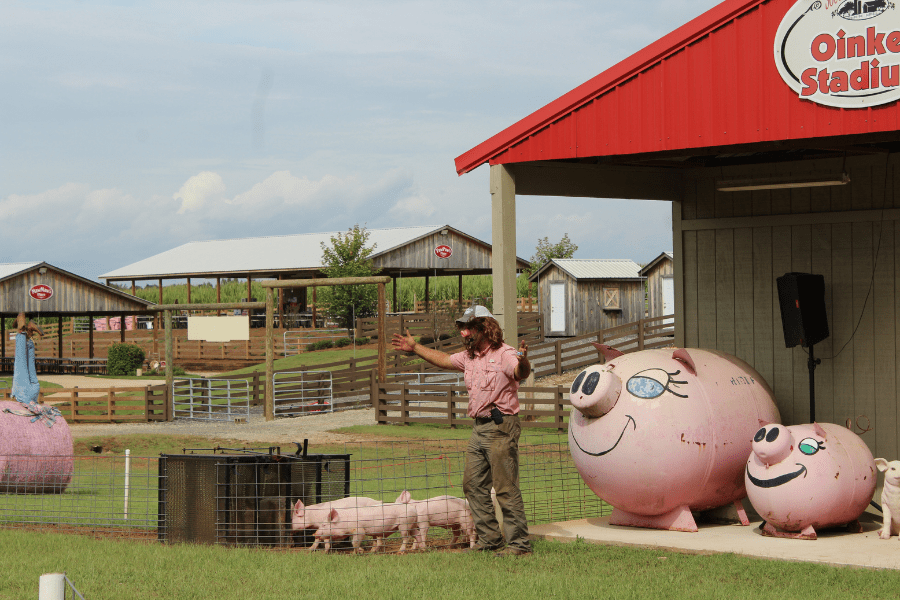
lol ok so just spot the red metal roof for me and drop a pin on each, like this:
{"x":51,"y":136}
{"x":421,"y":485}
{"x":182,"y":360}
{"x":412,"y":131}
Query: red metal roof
{"x":711,"y":82}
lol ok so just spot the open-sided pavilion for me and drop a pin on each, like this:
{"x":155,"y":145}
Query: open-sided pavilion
{"x":771,"y":126}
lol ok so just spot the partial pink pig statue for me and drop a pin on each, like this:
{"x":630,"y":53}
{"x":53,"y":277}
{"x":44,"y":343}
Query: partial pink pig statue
{"x":448,"y":512}
{"x":890,"y":497}
{"x":807,"y":477}
{"x":660,"y":433}
{"x":378,"y":521}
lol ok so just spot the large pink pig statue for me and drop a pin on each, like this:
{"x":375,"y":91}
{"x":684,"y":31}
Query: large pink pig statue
{"x":807,"y":477}
{"x":660,"y":433}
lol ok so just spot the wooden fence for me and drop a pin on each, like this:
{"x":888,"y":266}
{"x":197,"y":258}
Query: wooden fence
{"x":108,"y":405}
{"x":406,"y":403}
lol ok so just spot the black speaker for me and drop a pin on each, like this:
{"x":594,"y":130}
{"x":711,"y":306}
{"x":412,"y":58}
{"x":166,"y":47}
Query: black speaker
{"x":802,"y":298}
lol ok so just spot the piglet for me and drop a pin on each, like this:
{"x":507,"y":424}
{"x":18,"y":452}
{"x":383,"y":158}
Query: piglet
{"x":378,"y":521}
{"x":890,"y":497}
{"x":315,"y":515}
{"x":448,"y":512}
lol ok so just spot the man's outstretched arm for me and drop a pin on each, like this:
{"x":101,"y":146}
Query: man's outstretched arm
{"x":406,"y":343}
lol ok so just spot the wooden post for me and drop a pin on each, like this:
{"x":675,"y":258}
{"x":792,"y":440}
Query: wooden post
{"x":122,"y":328}
{"x":110,"y":394}
{"x":382,"y":335}
{"x":2,"y":336}
{"x":460,"y":292}
{"x":133,"y":288}
{"x":170,"y":359}
{"x":249,"y":298}
{"x":314,"y":306}
{"x":189,"y":290}
{"x":394,"y":294}
{"x":160,"y":291}
{"x":218,"y":294}
{"x":280,"y":307}
{"x":640,"y":334}
{"x":59,"y":344}
{"x":91,"y":335}
{"x":270,"y":356}
{"x":155,"y":335}
{"x":559,"y":360}
{"x":427,"y":295}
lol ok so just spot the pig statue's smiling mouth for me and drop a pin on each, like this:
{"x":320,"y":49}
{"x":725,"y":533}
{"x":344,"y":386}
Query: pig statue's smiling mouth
{"x":607,"y":451}
{"x":776,"y":481}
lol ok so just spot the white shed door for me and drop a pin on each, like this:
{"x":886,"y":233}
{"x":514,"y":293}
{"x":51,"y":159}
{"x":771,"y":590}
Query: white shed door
{"x":557,"y":307}
{"x":668,"y":297}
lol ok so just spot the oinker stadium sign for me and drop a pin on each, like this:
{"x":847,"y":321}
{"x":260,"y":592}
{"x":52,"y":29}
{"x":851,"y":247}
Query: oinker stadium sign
{"x":841,"y":53}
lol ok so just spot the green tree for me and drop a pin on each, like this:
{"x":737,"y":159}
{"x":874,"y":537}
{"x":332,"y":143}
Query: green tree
{"x":546,"y":250}
{"x":348,"y":256}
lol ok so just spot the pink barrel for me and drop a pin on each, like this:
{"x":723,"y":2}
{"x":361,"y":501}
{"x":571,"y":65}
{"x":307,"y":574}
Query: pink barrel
{"x":34,"y":458}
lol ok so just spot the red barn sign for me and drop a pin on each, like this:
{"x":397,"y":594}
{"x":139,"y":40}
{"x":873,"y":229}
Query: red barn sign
{"x":841,"y":53}
{"x":443,"y":251}
{"x":41,"y":292}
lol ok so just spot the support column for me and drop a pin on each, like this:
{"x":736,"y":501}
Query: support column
{"x":218,"y":294}
{"x":427,"y":279}
{"x":170,"y":356}
{"x":503,"y":256}
{"x":460,"y":293}
{"x":122,"y":328}
{"x":91,"y":335}
{"x":382,"y":336}
{"x":270,"y":356}
{"x":189,"y":290}
{"x":2,"y":336}
{"x":394,"y":290}
{"x":160,"y":291}
{"x":59,"y":325}
{"x":678,"y":252}
{"x":280,"y":306}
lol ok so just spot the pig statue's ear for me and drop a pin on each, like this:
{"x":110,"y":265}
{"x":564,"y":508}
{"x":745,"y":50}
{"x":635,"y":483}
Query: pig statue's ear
{"x":682,"y":356}
{"x":819,"y":431}
{"x":608,"y":352}
{"x":882,"y":464}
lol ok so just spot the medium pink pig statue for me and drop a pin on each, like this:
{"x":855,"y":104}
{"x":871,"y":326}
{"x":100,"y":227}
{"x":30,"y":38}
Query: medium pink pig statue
{"x":807,"y":477}
{"x":660,"y":433}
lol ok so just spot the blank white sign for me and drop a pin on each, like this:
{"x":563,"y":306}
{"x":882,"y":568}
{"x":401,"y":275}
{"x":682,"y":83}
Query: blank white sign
{"x":219,"y":329}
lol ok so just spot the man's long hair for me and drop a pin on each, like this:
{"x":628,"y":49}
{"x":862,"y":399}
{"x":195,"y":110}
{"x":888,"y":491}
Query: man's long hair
{"x":485,"y":328}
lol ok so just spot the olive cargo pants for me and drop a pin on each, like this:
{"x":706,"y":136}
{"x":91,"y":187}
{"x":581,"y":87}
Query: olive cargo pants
{"x":492,"y":460}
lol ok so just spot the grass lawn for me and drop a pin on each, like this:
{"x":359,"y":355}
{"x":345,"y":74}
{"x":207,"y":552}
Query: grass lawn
{"x":6,"y":382}
{"x":114,"y":570}
{"x":308,"y":359}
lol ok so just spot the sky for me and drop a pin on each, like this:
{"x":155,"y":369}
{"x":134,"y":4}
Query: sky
{"x":130,"y":128}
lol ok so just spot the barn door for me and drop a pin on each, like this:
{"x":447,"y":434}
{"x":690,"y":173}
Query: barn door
{"x":668,"y":298}
{"x":558,"y":308}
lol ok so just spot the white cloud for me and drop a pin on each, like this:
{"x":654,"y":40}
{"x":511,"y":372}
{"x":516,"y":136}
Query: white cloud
{"x":291,"y":190}
{"x":196,"y":190}
{"x":412,"y":207}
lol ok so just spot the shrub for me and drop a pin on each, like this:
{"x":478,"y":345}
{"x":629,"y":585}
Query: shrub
{"x":320,"y":345}
{"x":426,"y":339}
{"x":343,"y":342}
{"x":124,"y":359}
{"x":360,"y":341}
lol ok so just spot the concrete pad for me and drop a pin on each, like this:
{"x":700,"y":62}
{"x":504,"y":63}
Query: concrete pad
{"x":833,"y":547}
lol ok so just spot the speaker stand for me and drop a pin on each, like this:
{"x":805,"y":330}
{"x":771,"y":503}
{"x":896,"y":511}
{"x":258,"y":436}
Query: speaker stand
{"x":812,"y":363}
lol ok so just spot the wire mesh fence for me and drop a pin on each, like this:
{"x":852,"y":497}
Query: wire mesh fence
{"x":388,"y":496}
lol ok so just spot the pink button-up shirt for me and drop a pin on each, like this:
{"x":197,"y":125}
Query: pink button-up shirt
{"x":490,"y":379}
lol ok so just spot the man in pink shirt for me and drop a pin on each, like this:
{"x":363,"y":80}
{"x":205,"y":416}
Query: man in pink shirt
{"x":493,"y":371}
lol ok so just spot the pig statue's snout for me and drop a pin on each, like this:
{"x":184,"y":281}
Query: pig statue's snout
{"x":772,"y":444}
{"x":595,"y":391}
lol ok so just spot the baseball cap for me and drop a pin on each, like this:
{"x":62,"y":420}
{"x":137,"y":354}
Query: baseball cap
{"x":473,"y":312}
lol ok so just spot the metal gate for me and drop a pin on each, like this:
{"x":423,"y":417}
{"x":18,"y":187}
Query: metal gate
{"x":299,"y":393}
{"x":211,"y":399}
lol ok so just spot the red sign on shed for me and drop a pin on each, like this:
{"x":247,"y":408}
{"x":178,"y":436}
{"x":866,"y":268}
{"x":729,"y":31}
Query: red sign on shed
{"x":443,"y":251}
{"x":41,"y":292}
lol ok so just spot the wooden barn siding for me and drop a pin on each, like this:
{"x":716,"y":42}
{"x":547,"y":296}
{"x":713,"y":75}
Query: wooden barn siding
{"x":731,"y":298}
{"x":654,"y":287}
{"x":467,"y":254}
{"x":583,"y":312}
{"x":69,"y":295}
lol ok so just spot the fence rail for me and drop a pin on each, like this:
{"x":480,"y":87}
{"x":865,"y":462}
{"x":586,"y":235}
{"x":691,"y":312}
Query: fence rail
{"x":211,"y":399}
{"x":107,"y":405}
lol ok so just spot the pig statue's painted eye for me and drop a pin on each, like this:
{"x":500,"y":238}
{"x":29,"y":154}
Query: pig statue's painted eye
{"x":643,"y":385}
{"x":809,"y":446}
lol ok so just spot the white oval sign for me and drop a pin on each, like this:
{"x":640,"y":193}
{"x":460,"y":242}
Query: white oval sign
{"x":841,"y":53}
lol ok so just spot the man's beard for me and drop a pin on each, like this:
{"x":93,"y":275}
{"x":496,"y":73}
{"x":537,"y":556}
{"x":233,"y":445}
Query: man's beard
{"x":473,"y":342}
